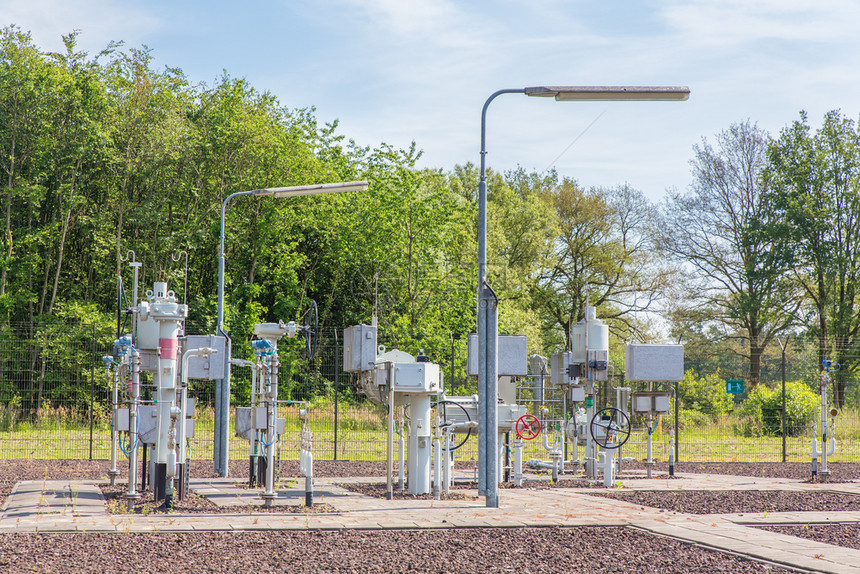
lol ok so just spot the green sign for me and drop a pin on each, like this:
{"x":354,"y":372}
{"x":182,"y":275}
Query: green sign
{"x":734,"y":386}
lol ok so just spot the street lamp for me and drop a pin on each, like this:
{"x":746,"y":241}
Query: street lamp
{"x":222,"y":386}
{"x":488,"y":323}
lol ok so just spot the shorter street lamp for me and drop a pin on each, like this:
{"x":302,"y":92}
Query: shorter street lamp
{"x":222,"y":387}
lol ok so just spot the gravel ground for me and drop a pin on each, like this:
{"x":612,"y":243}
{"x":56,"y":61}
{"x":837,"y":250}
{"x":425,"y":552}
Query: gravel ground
{"x":839,"y":471}
{"x":380,"y":490}
{"x":579,"y":549}
{"x":847,"y":535}
{"x":587,"y":549}
{"x":737,"y":501}
{"x":193,"y":504}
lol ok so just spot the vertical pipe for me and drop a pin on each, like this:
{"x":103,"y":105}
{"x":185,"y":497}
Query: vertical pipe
{"x":272,"y":436}
{"x":131,"y":494}
{"x":113,"y":472}
{"x":390,"y":441}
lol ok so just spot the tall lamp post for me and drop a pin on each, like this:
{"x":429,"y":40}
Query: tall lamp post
{"x":222,"y":386}
{"x":488,"y":323}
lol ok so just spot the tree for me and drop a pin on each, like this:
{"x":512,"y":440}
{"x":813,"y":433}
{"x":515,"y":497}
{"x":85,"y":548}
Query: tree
{"x":604,"y":252}
{"x":740,"y":273}
{"x":815,"y":189}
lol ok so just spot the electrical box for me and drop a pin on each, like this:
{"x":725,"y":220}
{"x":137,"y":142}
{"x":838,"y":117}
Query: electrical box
{"x":512,"y":355}
{"x":122,"y":420}
{"x":147,"y":423}
{"x":576,"y":393}
{"x":249,"y":420}
{"x":598,"y":365}
{"x":654,"y":363}
{"x":656,"y":403}
{"x":244,"y":424}
{"x":558,"y":364}
{"x":206,"y":368}
{"x":415,"y":377}
{"x":508,"y":415}
{"x":359,"y":348}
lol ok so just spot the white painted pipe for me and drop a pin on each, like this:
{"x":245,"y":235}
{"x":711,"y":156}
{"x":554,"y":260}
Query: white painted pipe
{"x":437,"y":467}
{"x":131,"y":494}
{"x":518,"y":463}
{"x":419,"y":446}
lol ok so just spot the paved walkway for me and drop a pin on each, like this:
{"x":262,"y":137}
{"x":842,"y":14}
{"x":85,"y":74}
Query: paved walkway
{"x":78,"y":506}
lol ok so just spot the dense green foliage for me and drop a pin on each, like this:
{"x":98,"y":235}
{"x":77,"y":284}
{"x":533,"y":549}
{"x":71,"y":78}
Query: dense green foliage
{"x":705,"y":394}
{"x":106,"y":158}
{"x":761,"y":413}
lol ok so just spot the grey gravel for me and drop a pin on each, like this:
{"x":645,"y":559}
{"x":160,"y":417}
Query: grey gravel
{"x":737,"y":501}
{"x":587,"y":549}
{"x":847,"y":535}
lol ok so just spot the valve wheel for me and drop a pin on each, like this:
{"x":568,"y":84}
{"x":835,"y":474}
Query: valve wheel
{"x":613,"y":428}
{"x":443,"y":420}
{"x":527,"y":427}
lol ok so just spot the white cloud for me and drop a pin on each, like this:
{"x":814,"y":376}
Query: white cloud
{"x":99,"y":21}
{"x":734,"y":23}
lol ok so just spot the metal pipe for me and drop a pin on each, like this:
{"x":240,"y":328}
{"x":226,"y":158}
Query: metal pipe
{"x":131,"y":494}
{"x":390,"y":441}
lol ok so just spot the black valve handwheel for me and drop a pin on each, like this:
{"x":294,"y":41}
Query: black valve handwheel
{"x":615,"y":425}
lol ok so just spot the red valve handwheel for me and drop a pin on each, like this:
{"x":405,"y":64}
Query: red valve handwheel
{"x":527,"y":427}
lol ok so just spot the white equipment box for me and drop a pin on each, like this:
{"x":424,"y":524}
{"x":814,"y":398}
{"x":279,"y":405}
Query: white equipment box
{"x":512,"y":356}
{"x":359,"y":348}
{"x":659,"y":363}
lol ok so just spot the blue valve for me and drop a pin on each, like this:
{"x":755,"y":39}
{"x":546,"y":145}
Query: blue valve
{"x":830,"y":366}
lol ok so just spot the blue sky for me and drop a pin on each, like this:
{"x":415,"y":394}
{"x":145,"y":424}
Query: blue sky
{"x":402,"y":70}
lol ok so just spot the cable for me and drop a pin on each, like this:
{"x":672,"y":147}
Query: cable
{"x":576,"y":139}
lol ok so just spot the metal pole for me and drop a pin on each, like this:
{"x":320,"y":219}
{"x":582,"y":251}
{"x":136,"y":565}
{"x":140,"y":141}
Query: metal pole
{"x":677,"y":430}
{"x":782,"y":414}
{"x":336,"y":389}
{"x":222,"y":386}
{"x":92,"y":388}
{"x":488,"y":447}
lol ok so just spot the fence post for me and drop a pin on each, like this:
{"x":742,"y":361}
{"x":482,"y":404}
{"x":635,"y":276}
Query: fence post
{"x":336,"y":389}
{"x":782,"y":414}
{"x":92,"y":387}
{"x":677,"y":427}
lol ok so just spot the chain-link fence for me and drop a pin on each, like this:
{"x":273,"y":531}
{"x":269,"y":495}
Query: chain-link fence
{"x":55,"y":401}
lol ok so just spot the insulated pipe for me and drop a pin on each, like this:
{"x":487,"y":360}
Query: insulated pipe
{"x":419,"y":444}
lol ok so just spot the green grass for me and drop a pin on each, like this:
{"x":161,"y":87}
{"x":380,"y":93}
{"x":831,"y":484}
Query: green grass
{"x":361,"y":435}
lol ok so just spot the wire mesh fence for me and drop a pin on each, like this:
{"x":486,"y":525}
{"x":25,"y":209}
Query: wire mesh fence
{"x":55,"y":402}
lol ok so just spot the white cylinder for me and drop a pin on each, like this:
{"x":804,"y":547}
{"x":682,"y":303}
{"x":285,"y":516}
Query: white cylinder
{"x":598,"y":336}
{"x":419,"y":450}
